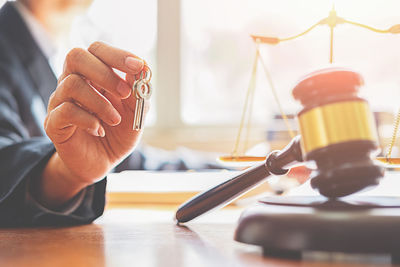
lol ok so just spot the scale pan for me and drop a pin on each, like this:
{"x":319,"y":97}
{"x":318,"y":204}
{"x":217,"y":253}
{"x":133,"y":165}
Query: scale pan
{"x":389,"y":162}
{"x":240,"y":161}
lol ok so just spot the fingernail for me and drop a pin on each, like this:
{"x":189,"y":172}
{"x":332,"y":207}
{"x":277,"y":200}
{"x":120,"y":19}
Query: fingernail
{"x":101,"y":131}
{"x":123,"y":89}
{"x":134,"y":64}
{"x":115,"y":118}
{"x":93,"y":132}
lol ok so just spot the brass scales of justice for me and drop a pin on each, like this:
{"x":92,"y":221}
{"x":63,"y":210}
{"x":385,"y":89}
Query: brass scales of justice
{"x":332,"y":21}
{"x":338,"y":134}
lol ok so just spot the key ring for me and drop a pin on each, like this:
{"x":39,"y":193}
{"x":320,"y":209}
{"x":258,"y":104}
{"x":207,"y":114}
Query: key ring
{"x":139,"y":85}
{"x":145,"y":75}
{"x":148,"y":75}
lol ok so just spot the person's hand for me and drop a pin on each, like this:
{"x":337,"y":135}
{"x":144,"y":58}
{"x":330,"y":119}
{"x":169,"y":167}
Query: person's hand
{"x":89,"y":120}
{"x":300,"y":173}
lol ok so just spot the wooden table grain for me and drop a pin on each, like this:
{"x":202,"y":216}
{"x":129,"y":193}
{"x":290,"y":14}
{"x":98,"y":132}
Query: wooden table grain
{"x":138,"y":237}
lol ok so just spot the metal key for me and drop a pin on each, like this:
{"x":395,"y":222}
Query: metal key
{"x":143,"y":90}
{"x":138,"y":114}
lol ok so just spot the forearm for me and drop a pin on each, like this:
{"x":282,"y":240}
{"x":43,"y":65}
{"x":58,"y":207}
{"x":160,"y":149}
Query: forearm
{"x":57,"y":184}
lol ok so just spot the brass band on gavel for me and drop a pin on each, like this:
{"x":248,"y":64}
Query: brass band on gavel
{"x":336,"y":123}
{"x":338,"y":132}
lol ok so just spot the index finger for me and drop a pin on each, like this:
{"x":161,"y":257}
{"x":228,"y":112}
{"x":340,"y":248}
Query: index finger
{"x":117,"y":58}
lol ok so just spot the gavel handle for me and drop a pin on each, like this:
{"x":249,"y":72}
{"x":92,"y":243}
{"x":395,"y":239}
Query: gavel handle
{"x":233,"y":188}
{"x":222,"y":194}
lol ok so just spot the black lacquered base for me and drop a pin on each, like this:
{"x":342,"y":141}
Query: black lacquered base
{"x":288,"y":226}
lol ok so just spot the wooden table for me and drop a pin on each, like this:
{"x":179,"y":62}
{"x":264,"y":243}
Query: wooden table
{"x":138,"y":237}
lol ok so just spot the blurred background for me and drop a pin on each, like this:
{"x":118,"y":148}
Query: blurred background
{"x":201,"y":55}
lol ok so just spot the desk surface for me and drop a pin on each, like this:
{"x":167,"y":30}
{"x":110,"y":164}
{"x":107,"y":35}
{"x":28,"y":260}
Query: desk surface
{"x":138,"y":237}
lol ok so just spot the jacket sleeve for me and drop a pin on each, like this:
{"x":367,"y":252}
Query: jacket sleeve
{"x":23,"y":157}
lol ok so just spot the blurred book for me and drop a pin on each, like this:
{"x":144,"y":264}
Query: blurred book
{"x":166,"y":187}
{"x":277,"y":134}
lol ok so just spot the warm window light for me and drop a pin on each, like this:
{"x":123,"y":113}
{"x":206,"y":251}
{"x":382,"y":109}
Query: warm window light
{"x":332,"y":21}
{"x":217,"y":53}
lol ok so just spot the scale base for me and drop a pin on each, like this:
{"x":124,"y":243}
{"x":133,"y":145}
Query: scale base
{"x":289,"y":227}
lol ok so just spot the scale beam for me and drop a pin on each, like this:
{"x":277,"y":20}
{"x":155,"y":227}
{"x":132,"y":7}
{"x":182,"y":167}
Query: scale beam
{"x":332,"y":21}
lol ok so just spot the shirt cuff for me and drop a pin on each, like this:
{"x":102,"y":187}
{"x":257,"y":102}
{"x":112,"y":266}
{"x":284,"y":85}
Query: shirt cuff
{"x":70,"y":207}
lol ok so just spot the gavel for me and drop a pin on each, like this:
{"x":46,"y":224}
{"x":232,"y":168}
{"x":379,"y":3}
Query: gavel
{"x":337,"y":132}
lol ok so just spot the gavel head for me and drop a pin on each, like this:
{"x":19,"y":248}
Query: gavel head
{"x":338,"y":132}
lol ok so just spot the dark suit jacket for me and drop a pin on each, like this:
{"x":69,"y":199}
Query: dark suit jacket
{"x":26,"y":82}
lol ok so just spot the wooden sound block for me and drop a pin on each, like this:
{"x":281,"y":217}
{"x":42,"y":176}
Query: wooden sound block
{"x":288,"y":226}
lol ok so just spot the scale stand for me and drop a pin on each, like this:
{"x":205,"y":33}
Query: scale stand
{"x":290,"y":226}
